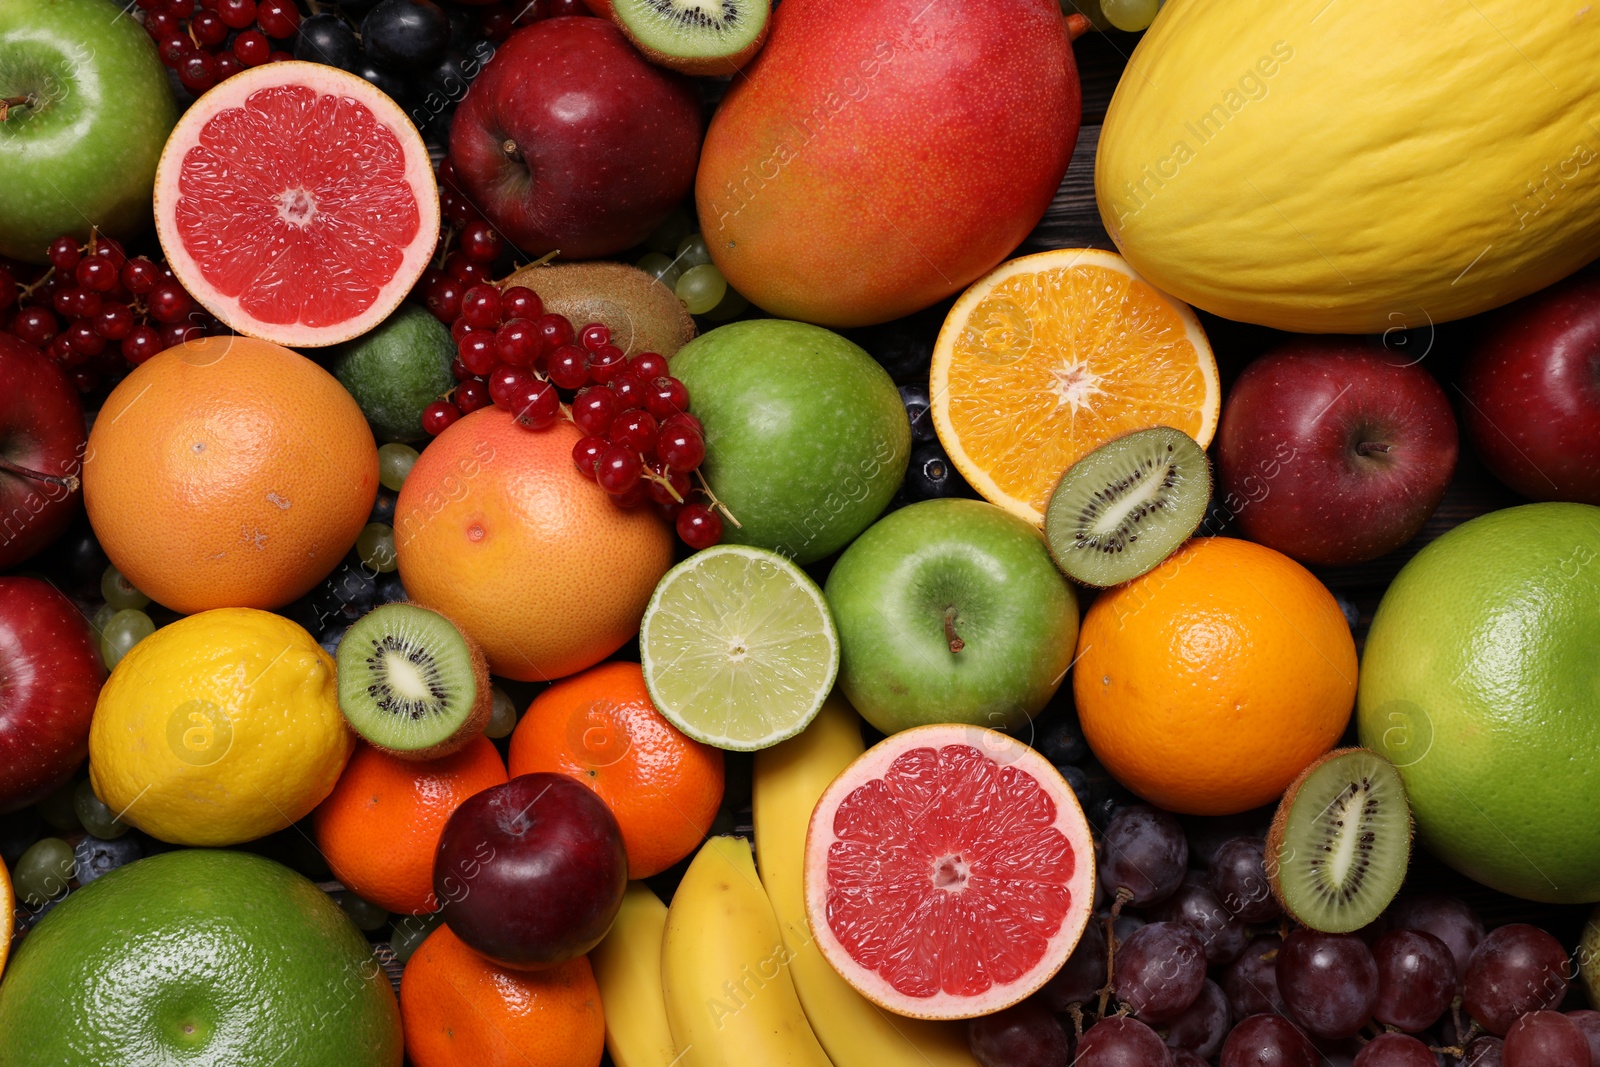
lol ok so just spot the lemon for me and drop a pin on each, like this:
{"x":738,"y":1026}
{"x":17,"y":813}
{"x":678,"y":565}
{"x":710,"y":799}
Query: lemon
{"x":220,"y":728}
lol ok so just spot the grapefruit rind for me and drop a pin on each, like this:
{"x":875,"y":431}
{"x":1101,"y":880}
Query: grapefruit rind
{"x":233,"y":94}
{"x":961,"y":315}
{"x":1005,"y":752}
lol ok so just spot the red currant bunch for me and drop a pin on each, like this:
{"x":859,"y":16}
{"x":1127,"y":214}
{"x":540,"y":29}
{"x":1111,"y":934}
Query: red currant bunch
{"x":209,"y":41}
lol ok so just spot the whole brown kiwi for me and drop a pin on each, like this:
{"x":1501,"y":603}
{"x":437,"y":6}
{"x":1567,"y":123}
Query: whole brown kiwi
{"x":642,"y":314}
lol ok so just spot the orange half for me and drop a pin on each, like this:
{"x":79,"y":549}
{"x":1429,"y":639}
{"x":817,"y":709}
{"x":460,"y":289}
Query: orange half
{"x":1050,"y":356}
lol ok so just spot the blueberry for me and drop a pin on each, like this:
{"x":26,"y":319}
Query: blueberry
{"x":1079,"y":783}
{"x":405,"y":35}
{"x":915,"y":398}
{"x":348,"y":593}
{"x":1352,"y":614}
{"x":93,"y":857}
{"x":330,"y":639}
{"x":1061,"y":741}
{"x":329,"y":40}
{"x":383,"y":507}
{"x":904,"y":347}
{"x":390,"y":589}
{"x":931,"y":474}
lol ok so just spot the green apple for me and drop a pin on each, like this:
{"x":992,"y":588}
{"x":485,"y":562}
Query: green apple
{"x":951,"y":611}
{"x":87,"y":110}
{"x":806,"y":437}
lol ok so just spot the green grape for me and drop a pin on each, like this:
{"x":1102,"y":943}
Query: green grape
{"x":733,"y":305}
{"x":702,"y":288}
{"x":98,"y":819}
{"x":692,"y":252}
{"x":394,"y":463}
{"x":119,"y":592}
{"x":127,"y":628}
{"x":661,"y":267}
{"x":673,"y":229}
{"x":365,"y":914}
{"x":375,"y":546}
{"x":43,"y":871}
{"x":60,"y":810}
{"x":503,"y":719}
{"x":101,"y":617}
{"x":410,"y":932}
{"x":1131,"y":15}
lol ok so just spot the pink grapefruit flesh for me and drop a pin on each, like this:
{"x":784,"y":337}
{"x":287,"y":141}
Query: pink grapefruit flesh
{"x":949,"y":872}
{"x":296,"y":202}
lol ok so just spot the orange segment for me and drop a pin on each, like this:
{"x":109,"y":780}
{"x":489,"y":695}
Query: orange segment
{"x":1051,"y":356}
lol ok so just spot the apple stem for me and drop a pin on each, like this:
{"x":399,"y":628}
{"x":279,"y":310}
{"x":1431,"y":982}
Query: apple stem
{"x":13,"y":101}
{"x":1078,"y":25}
{"x":68,"y":482}
{"x":509,"y":147}
{"x":956,"y":644}
{"x":1367,"y":448}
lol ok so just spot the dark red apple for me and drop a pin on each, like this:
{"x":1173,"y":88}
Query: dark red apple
{"x":50,"y":675}
{"x":42,"y":435}
{"x":531,"y":872}
{"x":1333,"y":452}
{"x":569,"y":140}
{"x":1532,"y":387}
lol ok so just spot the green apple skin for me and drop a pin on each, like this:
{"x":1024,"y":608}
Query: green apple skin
{"x":806,"y":437}
{"x":1014,"y":613}
{"x":82,"y":150}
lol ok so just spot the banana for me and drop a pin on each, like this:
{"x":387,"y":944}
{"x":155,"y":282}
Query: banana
{"x":724,"y":969}
{"x":789,"y":779}
{"x":627,"y":966}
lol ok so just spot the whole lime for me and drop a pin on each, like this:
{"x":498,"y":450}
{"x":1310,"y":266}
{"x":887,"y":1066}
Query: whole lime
{"x":806,"y":438}
{"x":1481,"y":682}
{"x":396,"y":370}
{"x":200,"y":958}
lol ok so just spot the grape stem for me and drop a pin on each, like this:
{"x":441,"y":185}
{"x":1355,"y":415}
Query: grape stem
{"x":1124,"y":894}
{"x":719,"y":505}
{"x":68,"y":482}
{"x":1078,"y":25}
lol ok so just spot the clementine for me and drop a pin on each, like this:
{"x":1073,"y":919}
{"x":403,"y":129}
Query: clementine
{"x":496,"y":528}
{"x":380,"y":826}
{"x":1208,"y":684}
{"x":601,"y":728}
{"x":460,"y":1010}
{"x":228,"y":472}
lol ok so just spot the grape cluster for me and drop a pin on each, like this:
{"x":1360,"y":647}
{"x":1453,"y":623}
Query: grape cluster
{"x":209,"y":41}
{"x":1190,"y":962}
{"x":96,"y":311}
{"x":680,"y":260}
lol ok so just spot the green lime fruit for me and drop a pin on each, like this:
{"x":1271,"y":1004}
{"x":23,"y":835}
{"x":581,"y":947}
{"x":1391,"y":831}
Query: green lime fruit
{"x":806,"y":438}
{"x":396,"y":370}
{"x":89,"y":110}
{"x":1481,"y":682}
{"x":198,"y":958}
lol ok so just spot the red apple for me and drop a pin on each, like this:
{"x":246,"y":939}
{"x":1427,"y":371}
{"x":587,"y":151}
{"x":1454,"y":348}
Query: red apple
{"x":531,"y":872}
{"x":42,"y":435}
{"x":1532,"y":387}
{"x":50,"y":675}
{"x":1333,"y":452}
{"x":569,"y":140}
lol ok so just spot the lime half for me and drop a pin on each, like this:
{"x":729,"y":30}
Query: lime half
{"x":738,"y":648}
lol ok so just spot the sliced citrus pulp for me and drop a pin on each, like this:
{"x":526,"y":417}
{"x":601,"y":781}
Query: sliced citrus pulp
{"x":1052,"y":355}
{"x":296,"y":202}
{"x":949,"y":872}
{"x":738,"y":648}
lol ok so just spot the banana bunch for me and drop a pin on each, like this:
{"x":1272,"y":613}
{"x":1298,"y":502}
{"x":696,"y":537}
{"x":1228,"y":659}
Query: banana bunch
{"x":627,"y":967}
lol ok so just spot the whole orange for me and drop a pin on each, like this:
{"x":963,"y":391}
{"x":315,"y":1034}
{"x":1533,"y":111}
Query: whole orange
{"x":228,"y":472}
{"x":601,"y":728}
{"x":380,"y":826}
{"x":1208,"y":684}
{"x":496,"y":528}
{"x":460,"y":1010}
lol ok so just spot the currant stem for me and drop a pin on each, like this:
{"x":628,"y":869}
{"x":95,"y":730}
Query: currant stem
{"x":719,"y":505}
{"x":68,"y":482}
{"x":28,"y":290}
{"x":652,"y":476}
{"x":950,"y":635}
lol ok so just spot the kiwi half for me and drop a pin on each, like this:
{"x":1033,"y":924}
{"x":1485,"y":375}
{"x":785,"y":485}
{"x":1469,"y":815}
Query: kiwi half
{"x":1128,"y":505}
{"x":1341,"y":841}
{"x":695,"y":36}
{"x":642,"y":314}
{"x":411,"y":683}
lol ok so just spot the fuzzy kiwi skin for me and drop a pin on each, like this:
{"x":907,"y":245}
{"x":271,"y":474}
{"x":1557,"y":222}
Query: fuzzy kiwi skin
{"x":1280,"y":822}
{"x":477,"y":718}
{"x":637,"y":308}
{"x":697,"y":65}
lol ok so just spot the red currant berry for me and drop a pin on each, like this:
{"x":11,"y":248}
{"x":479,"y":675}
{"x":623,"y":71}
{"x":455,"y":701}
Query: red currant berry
{"x":477,"y":352}
{"x":227,"y":66}
{"x":139,"y":276}
{"x":181,"y":8}
{"x":629,"y":390}
{"x":556,"y":331}
{"x":631,"y":498}
{"x":618,"y":470}
{"x":444,"y":298}
{"x":84,"y":379}
{"x":635,"y":430}
{"x":79,"y":303}
{"x":279,"y":18}
{"x":465,"y":270}
{"x":680,"y":445}
{"x":61,"y":301}
{"x":64,"y":253}
{"x":63,"y":353}
{"x":566,"y":8}
{"x":252,"y":48}
{"x":114,"y":322}
{"x":96,"y":273}
{"x":471,"y":395}
{"x":151,"y":5}
{"x":518,"y":343}
{"x":237,"y":14}
{"x":648,"y":365}
{"x":141,"y":344}
{"x":437,"y":416}
{"x":660,"y":494}
{"x":458,"y":209}
{"x":496,"y":23}
{"x":176,"y":333}
{"x":606,"y":362}
{"x":480,"y":307}
{"x":594,"y":335}
{"x":161,"y":25}
{"x":522,"y":303}
{"x":208,"y":29}
{"x":460,"y":328}
{"x":587,"y":452}
{"x":81,"y":336}
{"x":698,"y":526}
{"x":506,"y":384}
{"x":111,"y":249}
{"x":198,"y":72}
{"x":568,"y":367}
{"x":593,"y":409}
{"x":279,"y":56}
{"x":482,"y":243}
{"x":169,"y":303}
{"x":173,"y":47}
{"x":36,"y":326}
{"x":666,"y":397}
{"x":538,"y":405}
{"x":458,"y":370}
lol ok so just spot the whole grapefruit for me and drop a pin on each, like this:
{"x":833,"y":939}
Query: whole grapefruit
{"x":1481,"y":682}
{"x":228,"y":472}
{"x":496,"y":528}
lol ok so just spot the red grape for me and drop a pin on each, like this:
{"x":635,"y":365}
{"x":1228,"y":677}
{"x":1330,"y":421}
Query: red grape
{"x":1223,"y":936}
{"x":1267,"y":1041}
{"x":1160,"y":971}
{"x":618,"y":470}
{"x":1416,"y":979}
{"x":568,"y":367}
{"x":1146,"y":854}
{"x":1515,"y":970}
{"x":593,"y":409}
{"x":587,"y":452}
{"x":1122,"y":1042}
{"x":1024,"y":1035}
{"x":1251,"y":981}
{"x":1545,"y":1039}
{"x":1484,"y":1052}
{"x":438,"y":416}
{"x":1329,"y":982}
{"x":1203,"y":1024}
{"x":1182,"y":1057}
{"x":1448,"y":919}
{"x":698,"y":526}
{"x":1239,"y":880}
{"x":1395,"y":1050}
{"x":1588,"y":1024}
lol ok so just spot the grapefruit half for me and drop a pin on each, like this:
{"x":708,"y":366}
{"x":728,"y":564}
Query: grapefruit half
{"x":297,"y":203}
{"x":949,"y":872}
